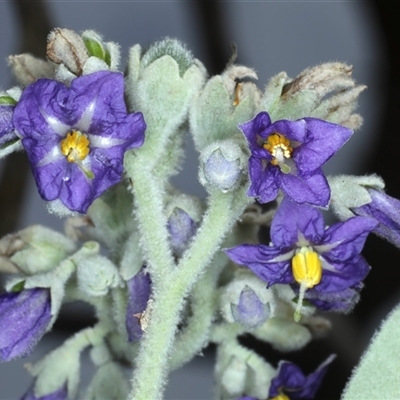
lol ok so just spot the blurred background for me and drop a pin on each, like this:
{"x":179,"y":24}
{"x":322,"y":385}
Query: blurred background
{"x":271,"y":36}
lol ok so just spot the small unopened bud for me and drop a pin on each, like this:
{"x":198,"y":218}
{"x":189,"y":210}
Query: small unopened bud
{"x":36,"y":249}
{"x":251,"y":312}
{"x":222,"y":165}
{"x":364,"y":196}
{"x":173,"y":48}
{"x":27,"y":68}
{"x":65,"y":46}
{"x":246,"y":300}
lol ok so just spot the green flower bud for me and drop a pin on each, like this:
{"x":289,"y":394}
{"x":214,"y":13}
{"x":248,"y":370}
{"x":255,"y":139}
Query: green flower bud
{"x":223,"y":165}
{"x":36,"y":249}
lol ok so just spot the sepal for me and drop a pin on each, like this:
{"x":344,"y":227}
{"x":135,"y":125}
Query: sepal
{"x":326,"y":91}
{"x":96,"y":274}
{"x":224,"y":102}
{"x":109,"y":382}
{"x":35,"y":249}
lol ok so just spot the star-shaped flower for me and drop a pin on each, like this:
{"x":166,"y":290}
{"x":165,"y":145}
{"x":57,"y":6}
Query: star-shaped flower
{"x":76,"y":137}
{"x":291,"y":383}
{"x":303,"y":251}
{"x":288,"y":155}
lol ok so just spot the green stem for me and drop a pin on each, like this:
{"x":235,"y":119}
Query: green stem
{"x":169,"y":296}
{"x":149,"y":210}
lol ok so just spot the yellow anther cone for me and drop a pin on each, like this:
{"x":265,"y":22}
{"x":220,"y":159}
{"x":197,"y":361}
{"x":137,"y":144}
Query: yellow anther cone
{"x":306,"y":268}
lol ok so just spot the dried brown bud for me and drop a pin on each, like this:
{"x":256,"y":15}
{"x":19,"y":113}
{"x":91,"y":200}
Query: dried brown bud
{"x":326,"y":91}
{"x":67,"y":47}
{"x":27,"y":68}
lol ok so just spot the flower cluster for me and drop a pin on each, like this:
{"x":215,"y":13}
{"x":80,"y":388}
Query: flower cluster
{"x":147,"y":257}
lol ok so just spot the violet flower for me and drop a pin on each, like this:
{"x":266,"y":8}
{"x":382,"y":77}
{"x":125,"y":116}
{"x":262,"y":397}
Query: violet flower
{"x":386,"y":211}
{"x":291,"y":383}
{"x":303,"y":251}
{"x":60,"y":394}
{"x":139,"y":290}
{"x":24,"y":318}
{"x":7,"y":132}
{"x":288,"y":155}
{"x":76,"y":137}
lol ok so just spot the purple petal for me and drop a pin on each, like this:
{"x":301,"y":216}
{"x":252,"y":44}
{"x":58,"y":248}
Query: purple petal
{"x":341,"y":276}
{"x":312,"y":189}
{"x":270,"y":264}
{"x":345,"y":240}
{"x":291,"y":380}
{"x":139,"y":290}
{"x":263,"y":180}
{"x":24,"y":318}
{"x":323,"y":140}
{"x":385,"y":210}
{"x":292,"y":130}
{"x":342,"y":301}
{"x":255,"y":129}
{"x":293,"y":220}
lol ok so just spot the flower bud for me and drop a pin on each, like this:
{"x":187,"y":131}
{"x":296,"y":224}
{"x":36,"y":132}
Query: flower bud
{"x":9,"y":141}
{"x":65,"y":46}
{"x":364,"y":196}
{"x":24,"y":319}
{"x":326,"y":91}
{"x":251,"y":312}
{"x":246,"y":300}
{"x":36,"y":249}
{"x":173,"y":48}
{"x":107,"y":52}
{"x":27,"y":68}
{"x":96,"y":275}
{"x":223,"y":165}
{"x":184,"y":212}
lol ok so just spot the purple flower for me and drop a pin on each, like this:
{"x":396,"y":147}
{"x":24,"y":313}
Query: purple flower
{"x":288,"y":155}
{"x":76,"y":137}
{"x":60,"y":394}
{"x":139,"y":290}
{"x":303,"y":251}
{"x":7,"y":132}
{"x":292,"y":382}
{"x":386,"y":211}
{"x":24,"y":318}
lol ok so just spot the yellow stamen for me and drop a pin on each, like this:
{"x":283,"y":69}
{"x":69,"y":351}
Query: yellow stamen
{"x":279,"y":146}
{"x":281,"y":396}
{"x":306,"y":268}
{"x":75,"y":146}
